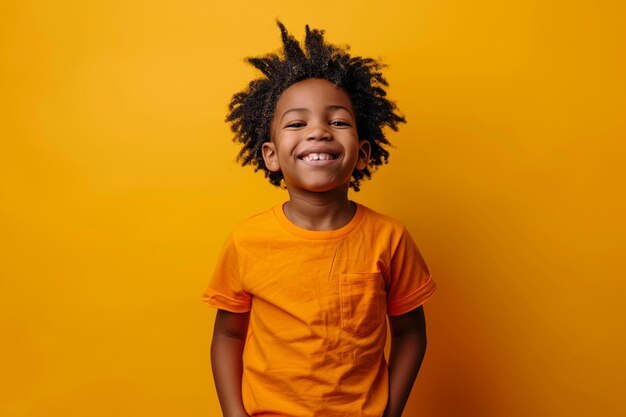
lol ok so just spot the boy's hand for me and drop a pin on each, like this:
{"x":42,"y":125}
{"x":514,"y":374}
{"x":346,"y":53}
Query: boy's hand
{"x":408,"y":346}
{"x":229,"y":337}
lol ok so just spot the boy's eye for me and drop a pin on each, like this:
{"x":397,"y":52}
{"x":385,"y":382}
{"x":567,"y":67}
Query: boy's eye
{"x":295,"y":124}
{"x":339,"y":123}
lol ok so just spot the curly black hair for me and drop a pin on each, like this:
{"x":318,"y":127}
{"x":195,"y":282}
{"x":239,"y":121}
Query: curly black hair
{"x":251,"y":110}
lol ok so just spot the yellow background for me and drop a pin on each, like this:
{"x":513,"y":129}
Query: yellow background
{"x":118,"y":187}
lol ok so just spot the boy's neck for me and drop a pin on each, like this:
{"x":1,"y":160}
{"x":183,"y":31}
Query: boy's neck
{"x":328,"y":210}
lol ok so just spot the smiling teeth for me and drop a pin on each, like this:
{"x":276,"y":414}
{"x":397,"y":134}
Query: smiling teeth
{"x":317,"y":157}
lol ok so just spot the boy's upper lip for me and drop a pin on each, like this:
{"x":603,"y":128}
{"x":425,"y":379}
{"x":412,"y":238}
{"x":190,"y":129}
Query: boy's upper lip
{"x":319,"y":149}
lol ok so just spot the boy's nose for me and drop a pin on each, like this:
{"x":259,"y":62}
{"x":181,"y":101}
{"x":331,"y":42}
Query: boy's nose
{"x":318,"y":132}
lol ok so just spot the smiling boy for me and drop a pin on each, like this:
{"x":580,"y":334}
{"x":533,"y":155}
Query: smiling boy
{"x":303,"y":289}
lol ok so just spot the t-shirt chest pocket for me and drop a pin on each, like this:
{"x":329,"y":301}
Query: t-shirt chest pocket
{"x":362,"y":298}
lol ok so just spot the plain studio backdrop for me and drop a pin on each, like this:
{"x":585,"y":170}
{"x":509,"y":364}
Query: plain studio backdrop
{"x":119,"y":185}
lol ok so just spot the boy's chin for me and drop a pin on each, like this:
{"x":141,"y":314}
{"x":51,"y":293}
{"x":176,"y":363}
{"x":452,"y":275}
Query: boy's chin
{"x":318,"y":188}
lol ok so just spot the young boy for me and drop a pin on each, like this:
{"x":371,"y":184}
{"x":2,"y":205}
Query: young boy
{"x":303,"y":289}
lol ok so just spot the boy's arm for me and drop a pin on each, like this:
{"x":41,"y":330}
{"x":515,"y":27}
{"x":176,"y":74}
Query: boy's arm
{"x":408,"y":345}
{"x":229,"y":337}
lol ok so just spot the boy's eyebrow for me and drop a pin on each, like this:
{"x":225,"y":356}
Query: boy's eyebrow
{"x":337,"y":107}
{"x":304,"y":109}
{"x":298,"y":109}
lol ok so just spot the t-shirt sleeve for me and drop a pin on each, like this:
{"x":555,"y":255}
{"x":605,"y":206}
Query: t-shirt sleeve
{"x":409,"y":283}
{"x":225,"y":290}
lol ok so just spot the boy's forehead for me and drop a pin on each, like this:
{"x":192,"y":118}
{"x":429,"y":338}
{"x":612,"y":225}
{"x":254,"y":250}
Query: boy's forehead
{"x":312,"y":93}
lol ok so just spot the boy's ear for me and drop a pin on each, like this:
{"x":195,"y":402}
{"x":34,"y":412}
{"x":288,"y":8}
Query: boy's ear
{"x":270,"y":156}
{"x":365,"y":149}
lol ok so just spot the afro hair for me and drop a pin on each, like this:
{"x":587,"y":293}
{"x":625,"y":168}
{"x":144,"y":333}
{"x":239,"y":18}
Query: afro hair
{"x":250,"y":111}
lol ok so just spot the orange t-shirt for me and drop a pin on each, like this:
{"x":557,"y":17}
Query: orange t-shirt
{"x":317,"y":303}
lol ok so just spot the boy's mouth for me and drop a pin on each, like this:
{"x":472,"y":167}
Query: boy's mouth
{"x":319,"y":153}
{"x":317,"y":156}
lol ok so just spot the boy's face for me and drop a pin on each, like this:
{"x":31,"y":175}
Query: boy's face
{"x":314,"y":138}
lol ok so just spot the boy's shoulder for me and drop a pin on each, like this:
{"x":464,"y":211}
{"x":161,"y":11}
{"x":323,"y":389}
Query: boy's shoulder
{"x":382,"y":217}
{"x":385,"y":228}
{"x":260,"y":220}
